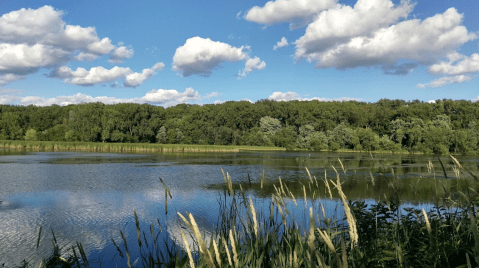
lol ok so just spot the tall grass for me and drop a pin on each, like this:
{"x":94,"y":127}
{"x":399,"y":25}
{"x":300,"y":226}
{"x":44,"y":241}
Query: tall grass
{"x":278,"y":232}
{"x":125,"y":147}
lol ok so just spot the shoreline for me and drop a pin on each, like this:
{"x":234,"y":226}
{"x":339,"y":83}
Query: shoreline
{"x":59,"y":146}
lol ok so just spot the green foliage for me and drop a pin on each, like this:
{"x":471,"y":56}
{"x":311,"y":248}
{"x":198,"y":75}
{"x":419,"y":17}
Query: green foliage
{"x":368,"y":140}
{"x":162,"y":136}
{"x":269,"y":125}
{"x":31,"y":135}
{"x":438,"y":128}
{"x":343,"y":136}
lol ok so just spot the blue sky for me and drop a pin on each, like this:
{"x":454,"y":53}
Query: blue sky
{"x":199,"y":52}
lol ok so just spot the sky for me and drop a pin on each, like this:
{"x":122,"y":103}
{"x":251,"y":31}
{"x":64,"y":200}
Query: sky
{"x":203,"y":52}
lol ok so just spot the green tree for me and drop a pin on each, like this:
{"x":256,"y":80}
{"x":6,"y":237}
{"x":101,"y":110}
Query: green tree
{"x":318,"y":141}
{"x":341,"y":135}
{"x":286,"y":137}
{"x":368,"y":140}
{"x":385,"y":143}
{"x":70,"y":136}
{"x":162,"y":135}
{"x":117,"y":136}
{"x":269,"y":125}
{"x":31,"y":135}
{"x":10,"y":126}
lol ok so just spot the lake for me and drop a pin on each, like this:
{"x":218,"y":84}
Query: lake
{"x":90,"y":197}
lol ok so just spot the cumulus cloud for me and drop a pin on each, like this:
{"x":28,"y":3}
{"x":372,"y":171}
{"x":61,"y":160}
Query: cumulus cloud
{"x":85,"y":56}
{"x":95,"y":75}
{"x":458,"y":64}
{"x":282,"y":43}
{"x":120,"y":54}
{"x":99,"y":75}
{"x":46,"y":26}
{"x":289,"y":96}
{"x":31,"y":39}
{"x":446,"y":80}
{"x":8,"y":99}
{"x":413,"y":40}
{"x":279,"y":11}
{"x":250,"y":65}
{"x":170,"y":96}
{"x":7,"y":78}
{"x":25,"y":59}
{"x":339,"y":25}
{"x":202,"y":55}
{"x":165,"y":97}
{"x":136,"y":79}
{"x":476,"y":99}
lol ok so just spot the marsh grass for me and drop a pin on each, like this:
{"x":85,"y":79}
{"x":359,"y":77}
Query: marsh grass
{"x":125,"y":147}
{"x":264,"y":232}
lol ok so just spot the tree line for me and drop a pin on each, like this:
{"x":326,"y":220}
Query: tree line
{"x":446,"y":126}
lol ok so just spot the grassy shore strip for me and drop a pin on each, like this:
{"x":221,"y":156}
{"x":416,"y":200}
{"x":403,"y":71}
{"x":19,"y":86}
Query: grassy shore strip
{"x":126,"y":147}
{"x":402,"y":151}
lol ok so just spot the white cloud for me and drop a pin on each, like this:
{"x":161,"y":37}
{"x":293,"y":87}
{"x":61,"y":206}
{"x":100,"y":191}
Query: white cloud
{"x":476,"y":99}
{"x":85,"y":56}
{"x":165,"y":97}
{"x":370,"y":34}
{"x":446,"y":80}
{"x":46,"y":26}
{"x":339,"y":25}
{"x":24,"y":59}
{"x":8,"y":99}
{"x":136,"y":79}
{"x":289,"y":96}
{"x":458,"y":64}
{"x":211,"y":95}
{"x":170,"y":97}
{"x":101,"y":47}
{"x":7,"y":78}
{"x":282,"y":43}
{"x":120,"y":54}
{"x":202,"y":55}
{"x":431,"y":101}
{"x":31,"y":39}
{"x":95,"y":75}
{"x":250,"y":65}
{"x":99,"y":75}
{"x":238,"y":15}
{"x":279,"y":11}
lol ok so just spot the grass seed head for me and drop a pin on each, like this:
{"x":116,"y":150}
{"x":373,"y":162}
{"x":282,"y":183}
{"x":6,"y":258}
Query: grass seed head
{"x":428,"y":225}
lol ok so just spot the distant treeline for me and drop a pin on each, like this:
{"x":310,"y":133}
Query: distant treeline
{"x":443,"y":127}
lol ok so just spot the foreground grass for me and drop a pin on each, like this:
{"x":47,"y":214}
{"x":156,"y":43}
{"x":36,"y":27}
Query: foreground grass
{"x":268,"y":233}
{"x":126,"y":147}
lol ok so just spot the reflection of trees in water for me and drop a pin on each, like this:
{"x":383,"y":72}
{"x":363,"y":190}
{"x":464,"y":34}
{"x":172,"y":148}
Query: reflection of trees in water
{"x":357,"y":187}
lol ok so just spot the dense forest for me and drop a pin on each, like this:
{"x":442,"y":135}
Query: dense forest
{"x":443,"y":127}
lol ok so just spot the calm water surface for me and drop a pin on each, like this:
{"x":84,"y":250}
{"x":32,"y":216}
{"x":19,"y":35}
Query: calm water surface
{"x":90,"y":197}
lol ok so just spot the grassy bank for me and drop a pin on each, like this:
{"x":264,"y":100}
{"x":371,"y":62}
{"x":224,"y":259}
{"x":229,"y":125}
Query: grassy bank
{"x":290,"y":228}
{"x":125,"y":147}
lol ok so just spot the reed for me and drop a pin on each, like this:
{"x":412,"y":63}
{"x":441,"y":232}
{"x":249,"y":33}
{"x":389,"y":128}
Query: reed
{"x":126,"y":147}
